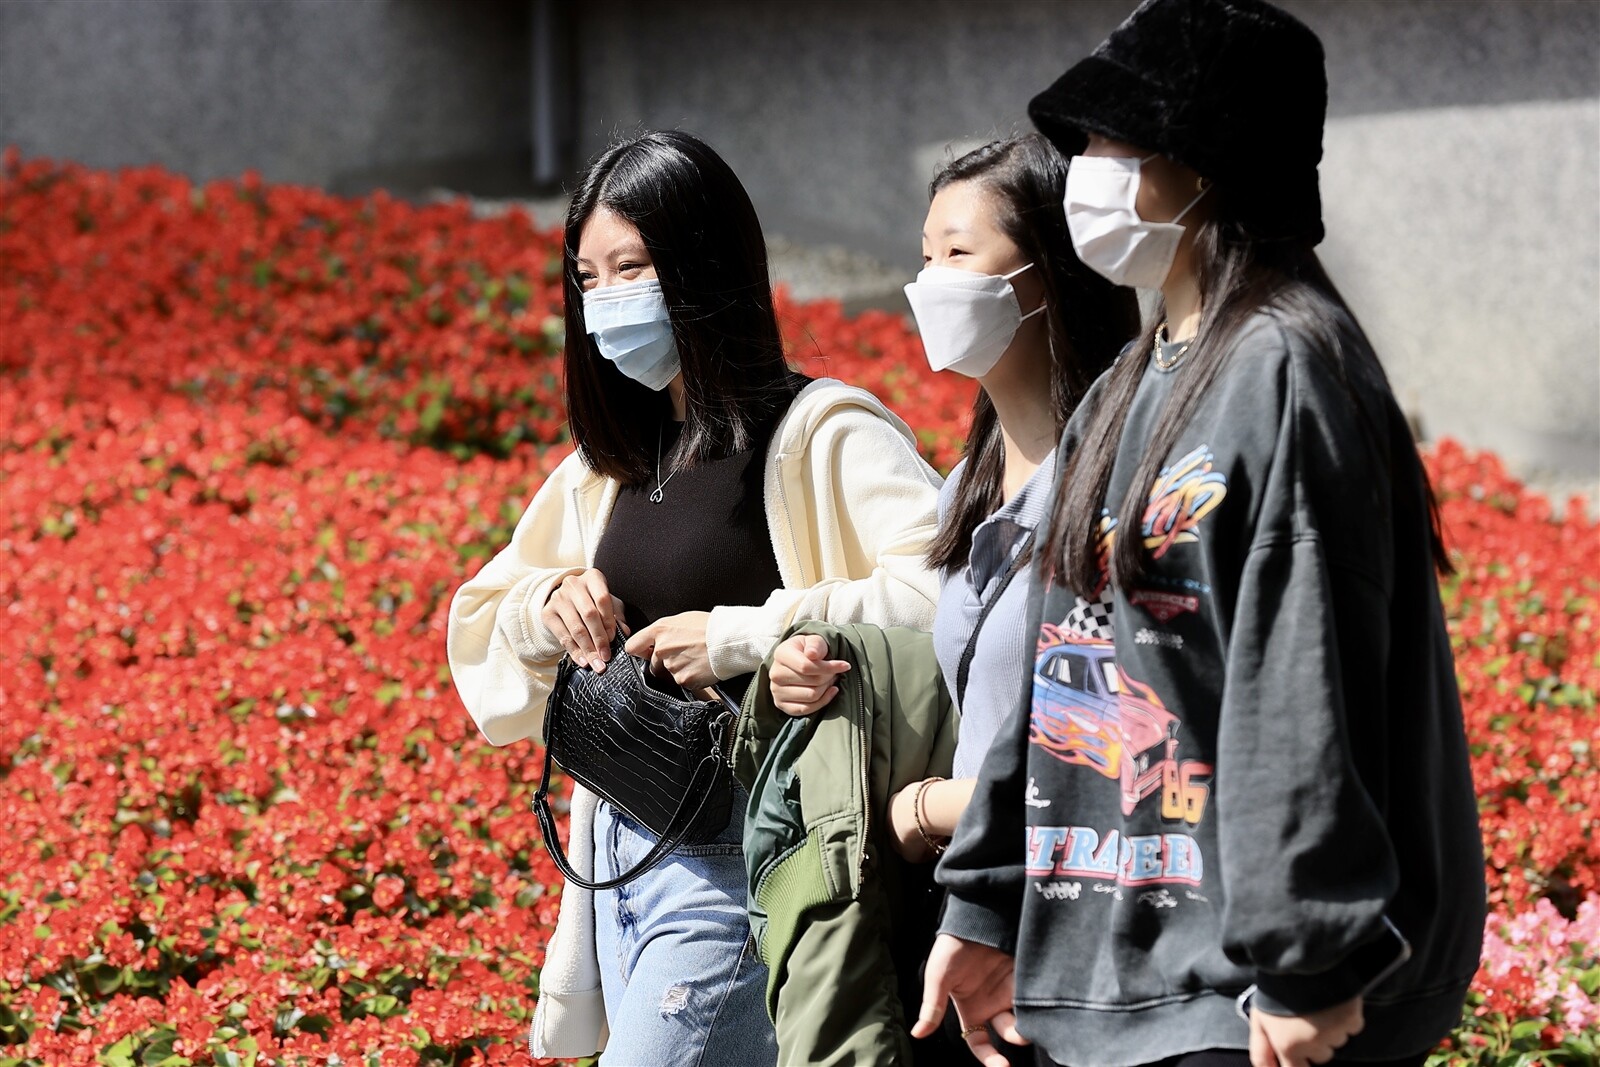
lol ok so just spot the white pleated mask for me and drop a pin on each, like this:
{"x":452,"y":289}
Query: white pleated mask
{"x":966,"y":319}
{"x":1107,"y":232}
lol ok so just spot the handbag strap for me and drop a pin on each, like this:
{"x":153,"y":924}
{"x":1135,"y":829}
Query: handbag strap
{"x":678,"y":826}
{"x":677,"y":829}
{"x":965,"y":667}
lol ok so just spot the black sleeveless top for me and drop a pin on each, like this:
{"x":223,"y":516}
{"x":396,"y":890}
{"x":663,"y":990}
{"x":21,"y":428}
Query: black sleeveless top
{"x":704,"y":545}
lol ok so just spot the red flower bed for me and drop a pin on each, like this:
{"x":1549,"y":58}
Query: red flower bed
{"x":255,"y":437}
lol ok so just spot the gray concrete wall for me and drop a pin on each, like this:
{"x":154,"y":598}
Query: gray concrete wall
{"x":320,"y":92}
{"x":1460,"y":181}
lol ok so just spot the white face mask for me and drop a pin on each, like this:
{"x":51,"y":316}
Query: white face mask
{"x":631,"y":327}
{"x":1107,"y":231}
{"x":966,"y":319}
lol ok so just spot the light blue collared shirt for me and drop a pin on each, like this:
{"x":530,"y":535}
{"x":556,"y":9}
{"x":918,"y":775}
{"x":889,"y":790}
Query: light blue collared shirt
{"x":1001,"y":658}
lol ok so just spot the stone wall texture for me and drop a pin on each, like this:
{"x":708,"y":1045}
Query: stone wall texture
{"x":1461,"y":182}
{"x":308,"y":91}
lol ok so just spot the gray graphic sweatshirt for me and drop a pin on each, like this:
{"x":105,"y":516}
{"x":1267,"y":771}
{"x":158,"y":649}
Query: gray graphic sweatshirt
{"x":1241,"y":772}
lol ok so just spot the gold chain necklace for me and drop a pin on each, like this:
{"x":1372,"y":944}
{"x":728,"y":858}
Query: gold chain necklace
{"x":1168,"y":362}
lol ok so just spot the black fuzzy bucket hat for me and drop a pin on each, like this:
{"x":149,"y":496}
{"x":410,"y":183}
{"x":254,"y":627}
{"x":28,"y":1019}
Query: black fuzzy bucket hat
{"x":1234,"y":89}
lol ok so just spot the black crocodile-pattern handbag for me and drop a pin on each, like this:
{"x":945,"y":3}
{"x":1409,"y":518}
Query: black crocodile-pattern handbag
{"x":645,"y":746}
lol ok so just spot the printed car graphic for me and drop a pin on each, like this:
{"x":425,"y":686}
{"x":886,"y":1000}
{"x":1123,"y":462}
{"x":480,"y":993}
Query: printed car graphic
{"x":1087,"y":712}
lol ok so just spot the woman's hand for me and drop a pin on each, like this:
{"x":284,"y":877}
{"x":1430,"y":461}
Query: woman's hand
{"x":1299,"y":1040}
{"x":584,"y":616}
{"x":676,"y":646}
{"x":904,"y":834}
{"x":979,"y":979}
{"x":802,"y":676}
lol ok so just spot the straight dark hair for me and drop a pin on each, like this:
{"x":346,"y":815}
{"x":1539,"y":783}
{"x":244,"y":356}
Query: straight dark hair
{"x":705,"y":241}
{"x":1089,"y":318}
{"x":1238,"y":276}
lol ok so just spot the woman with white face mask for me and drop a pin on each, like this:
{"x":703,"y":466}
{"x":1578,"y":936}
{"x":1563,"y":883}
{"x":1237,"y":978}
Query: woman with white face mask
{"x":1003,"y":299}
{"x":1230,"y":822}
{"x":715,"y":497}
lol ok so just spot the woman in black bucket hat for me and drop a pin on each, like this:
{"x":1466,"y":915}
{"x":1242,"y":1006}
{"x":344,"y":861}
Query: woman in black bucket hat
{"x":1232,"y":821}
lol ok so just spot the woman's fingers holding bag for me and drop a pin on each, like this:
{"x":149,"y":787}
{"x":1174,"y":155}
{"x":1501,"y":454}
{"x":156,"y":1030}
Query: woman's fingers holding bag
{"x":584,"y":617}
{"x":676,"y":646}
{"x":560,"y":618}
{"x":802,"y":677}
{"x":810,"y":654}
{"x":800,"y":700}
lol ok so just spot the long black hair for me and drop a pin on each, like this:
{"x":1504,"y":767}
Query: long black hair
{"x":701,"y":231}
{"x":1239,"y":275}
{"x":1089,"y":319}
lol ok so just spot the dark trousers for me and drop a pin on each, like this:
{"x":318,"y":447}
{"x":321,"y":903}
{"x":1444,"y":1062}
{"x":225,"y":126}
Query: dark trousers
{"x":1227,"y":1057}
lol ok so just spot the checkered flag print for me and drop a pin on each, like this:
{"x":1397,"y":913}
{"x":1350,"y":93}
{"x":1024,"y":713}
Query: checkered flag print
{"x":1091,"y":618}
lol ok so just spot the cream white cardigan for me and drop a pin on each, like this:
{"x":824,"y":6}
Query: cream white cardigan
{"x":851,"y":507}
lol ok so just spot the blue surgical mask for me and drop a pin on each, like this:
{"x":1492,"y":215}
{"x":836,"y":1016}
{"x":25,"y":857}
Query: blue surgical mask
{"x":631,"y":327}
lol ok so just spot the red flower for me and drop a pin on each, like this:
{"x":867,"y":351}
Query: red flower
{"x":258,"y":434}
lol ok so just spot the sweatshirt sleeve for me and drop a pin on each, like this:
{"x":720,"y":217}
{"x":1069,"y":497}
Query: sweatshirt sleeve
{"x":984,"y":867}
{"x":868,"y":509}
{"x":502,"y":657}
{"x":1307,"y":865}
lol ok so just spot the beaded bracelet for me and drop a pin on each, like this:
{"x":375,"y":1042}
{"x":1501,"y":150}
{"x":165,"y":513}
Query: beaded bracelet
{"x":916,"y":813}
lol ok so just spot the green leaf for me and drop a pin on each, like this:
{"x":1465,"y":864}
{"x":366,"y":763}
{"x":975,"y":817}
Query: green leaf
{"x":107,"y":979}
{"x":119,"y":1055}
{"x":1527,"y":1028}
{"x":159,"y":1050}
{"x":383,"y":1005}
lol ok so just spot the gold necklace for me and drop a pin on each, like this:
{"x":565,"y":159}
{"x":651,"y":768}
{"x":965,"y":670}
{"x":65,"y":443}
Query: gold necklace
{"x":1168,"y":362}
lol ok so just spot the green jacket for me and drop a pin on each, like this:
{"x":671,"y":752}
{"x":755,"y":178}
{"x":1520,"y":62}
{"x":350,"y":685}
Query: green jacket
{"x":822,"y":873}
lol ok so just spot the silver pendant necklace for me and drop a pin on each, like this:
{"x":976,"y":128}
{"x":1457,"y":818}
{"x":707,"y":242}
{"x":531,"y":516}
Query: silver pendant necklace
{"x":1179,"y":349}
{"x":656,"y":494}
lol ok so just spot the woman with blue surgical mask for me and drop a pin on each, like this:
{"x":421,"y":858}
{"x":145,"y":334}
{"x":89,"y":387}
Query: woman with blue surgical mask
{"x":715,"y":497}
{"x":1003,"y":299}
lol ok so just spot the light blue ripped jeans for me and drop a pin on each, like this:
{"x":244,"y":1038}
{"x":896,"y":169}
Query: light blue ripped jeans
{"x":683,"y":984}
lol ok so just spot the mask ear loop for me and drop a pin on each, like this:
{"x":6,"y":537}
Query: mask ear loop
{"x":1202,"y":183}
{"x":1013,"y":274}
{"x":1205,"y":187}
